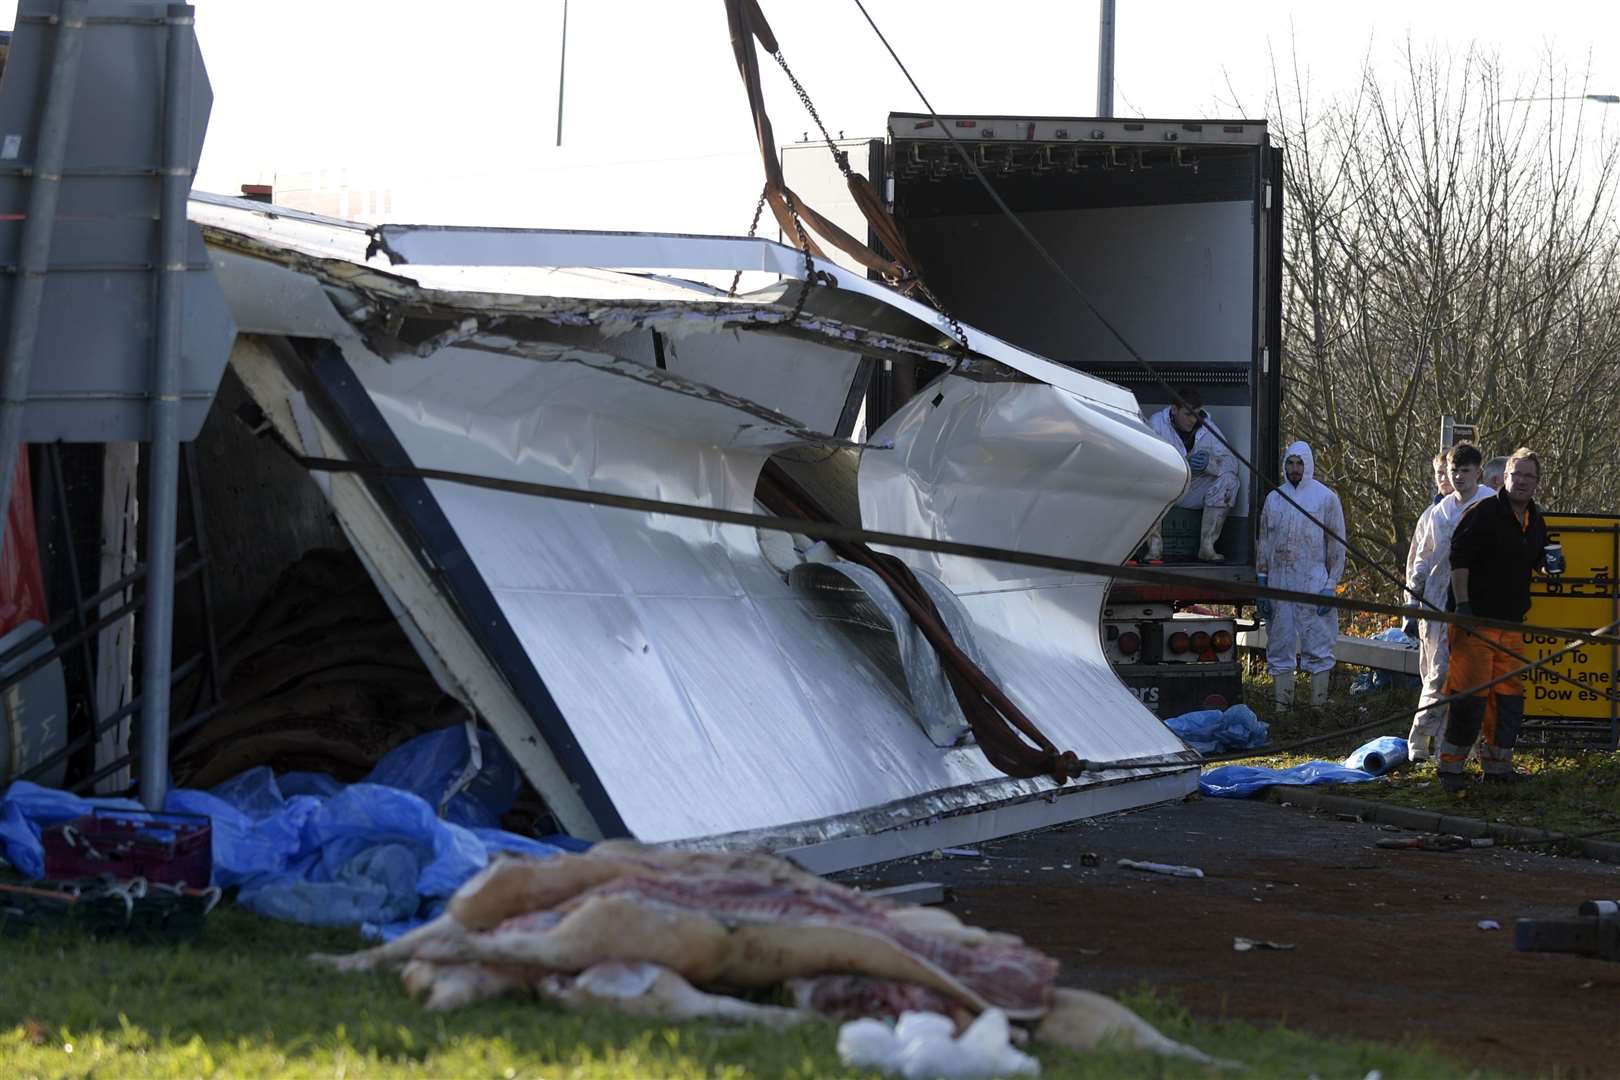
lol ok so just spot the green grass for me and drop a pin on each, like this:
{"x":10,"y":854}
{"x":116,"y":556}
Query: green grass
{"x":1570,"y":792}
{"x":241,"y":1002}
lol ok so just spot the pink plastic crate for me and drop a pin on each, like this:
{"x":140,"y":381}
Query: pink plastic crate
{"x":176,"y":849}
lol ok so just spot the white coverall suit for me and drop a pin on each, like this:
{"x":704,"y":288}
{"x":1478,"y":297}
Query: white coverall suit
{"x":1428,"y":575}
{"x":1296,"y":554}
{"x":1214,"y":490}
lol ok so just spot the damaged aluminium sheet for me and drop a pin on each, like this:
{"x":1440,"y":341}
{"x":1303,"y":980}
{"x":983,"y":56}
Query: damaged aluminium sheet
{"x":688,"y":692}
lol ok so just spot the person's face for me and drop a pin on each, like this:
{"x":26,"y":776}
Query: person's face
{"x":1465,"y":480}
{"x":1294,"y":469}
{"x":1442,"y":481}
{"x":1185,"y":419}
{"x":1492,"y":480}
{"x":1522,"y":477}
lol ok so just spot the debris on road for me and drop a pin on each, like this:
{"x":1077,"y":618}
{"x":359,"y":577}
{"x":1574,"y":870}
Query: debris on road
{"x":1488,"y":924}
{"x":1435,"y":842}
{"x":1161,"y":868}
{"x":1595,"y":933}
{"x":1243,"y":944}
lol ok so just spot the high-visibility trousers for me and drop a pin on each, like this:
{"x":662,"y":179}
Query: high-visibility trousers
{"x":1480,"y":656}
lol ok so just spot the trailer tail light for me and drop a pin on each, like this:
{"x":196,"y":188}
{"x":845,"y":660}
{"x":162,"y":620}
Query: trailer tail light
{"x":1179,"y":642}
{"x":1221,"y":640}
{"x":1200,"y":643}
{"x":1129,"y":643}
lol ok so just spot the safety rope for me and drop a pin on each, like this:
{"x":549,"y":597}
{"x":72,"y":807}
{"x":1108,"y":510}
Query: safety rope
{"x":827,"y":530}
{"x":1057,"y":268}
{"x":843,"y":534}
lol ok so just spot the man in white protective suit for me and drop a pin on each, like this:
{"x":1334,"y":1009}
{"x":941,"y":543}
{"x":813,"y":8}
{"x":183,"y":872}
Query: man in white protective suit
{"x":1298,"y":553}
{"x":1214,"y":470}
{"x":1428,"y":580}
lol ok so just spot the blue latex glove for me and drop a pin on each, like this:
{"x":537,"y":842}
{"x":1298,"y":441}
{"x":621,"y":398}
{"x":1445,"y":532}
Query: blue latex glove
{"x":1198,"y":461}
{"x":1323,"y":609}
{"x":1263,"y":607}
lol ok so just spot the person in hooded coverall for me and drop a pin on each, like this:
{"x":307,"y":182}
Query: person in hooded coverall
{"x":1428,"y":581}
{"x":1296,"y":553}
{"x":1214,"y":470}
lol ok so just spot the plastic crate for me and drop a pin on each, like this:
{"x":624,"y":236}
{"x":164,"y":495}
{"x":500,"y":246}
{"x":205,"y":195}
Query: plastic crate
{"x":175,"y":849}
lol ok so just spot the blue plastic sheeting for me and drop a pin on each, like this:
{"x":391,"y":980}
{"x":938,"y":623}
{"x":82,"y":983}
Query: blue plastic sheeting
{"x":305,"y":848}
{"x":1211,"y":731}
{"x":1383,"y":754}
{"x":1369,"y":761}
{"x":1241,"y":781}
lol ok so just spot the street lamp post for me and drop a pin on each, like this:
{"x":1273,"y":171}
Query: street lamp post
{"x":562,"y":70}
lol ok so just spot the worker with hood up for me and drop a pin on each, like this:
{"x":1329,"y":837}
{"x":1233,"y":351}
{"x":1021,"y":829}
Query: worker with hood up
{"x":1428,"y":580}
{"x":1298,"y":553}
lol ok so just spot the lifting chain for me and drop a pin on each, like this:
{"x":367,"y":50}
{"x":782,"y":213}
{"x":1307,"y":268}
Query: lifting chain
{"x":804,"y":97}
{"x":842,"y":158}
{"x":753,"y":228}
{"x":811,"y":274}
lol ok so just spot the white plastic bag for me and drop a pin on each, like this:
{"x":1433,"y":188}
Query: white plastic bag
{"x":922,"y":1046}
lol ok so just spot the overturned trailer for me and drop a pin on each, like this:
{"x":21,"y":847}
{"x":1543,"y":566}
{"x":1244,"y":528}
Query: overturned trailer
{"x":697,"y":682}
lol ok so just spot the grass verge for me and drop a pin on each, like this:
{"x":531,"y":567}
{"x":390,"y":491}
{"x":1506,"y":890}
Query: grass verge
{"x":1574,"y":792}
{"x":241,"y":1002}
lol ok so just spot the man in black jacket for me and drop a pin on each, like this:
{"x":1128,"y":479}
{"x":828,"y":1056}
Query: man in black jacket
{"x":1499,"y":543}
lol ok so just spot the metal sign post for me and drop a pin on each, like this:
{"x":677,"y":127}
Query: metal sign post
{"x":116,"y":331}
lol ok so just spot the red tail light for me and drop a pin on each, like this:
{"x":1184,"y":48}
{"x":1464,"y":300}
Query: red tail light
{"x":1200,"y":642}
{"x":1220,"y":640}
{"x":1129,"y":642}
{"x":1179,"y":643}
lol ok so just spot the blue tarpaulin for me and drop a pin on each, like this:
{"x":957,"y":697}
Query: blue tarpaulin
{"x":1212,"y":731}
{"x":306,"y":848}
{"x":1368,"y":762}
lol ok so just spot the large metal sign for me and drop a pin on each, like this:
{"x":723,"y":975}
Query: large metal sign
{"x":1587,"y":597}
{"x":91,"y":374}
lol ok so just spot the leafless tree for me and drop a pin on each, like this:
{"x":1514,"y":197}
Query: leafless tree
{"x":1449,"y":250}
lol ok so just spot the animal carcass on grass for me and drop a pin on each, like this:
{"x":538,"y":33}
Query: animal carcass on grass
{"x":642,"y":929}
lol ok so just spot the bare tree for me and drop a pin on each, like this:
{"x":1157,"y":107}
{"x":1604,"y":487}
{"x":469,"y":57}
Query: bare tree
{"x":1449,"y":251}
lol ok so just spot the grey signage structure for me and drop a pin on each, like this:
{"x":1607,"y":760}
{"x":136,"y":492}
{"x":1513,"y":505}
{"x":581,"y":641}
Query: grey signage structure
{"x":114,"y":326}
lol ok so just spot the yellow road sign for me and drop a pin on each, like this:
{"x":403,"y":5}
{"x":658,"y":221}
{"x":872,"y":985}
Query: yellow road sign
{"x":1587,"y":598}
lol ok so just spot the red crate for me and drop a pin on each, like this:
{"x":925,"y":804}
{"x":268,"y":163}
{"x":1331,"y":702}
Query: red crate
{"x":176,"y":849}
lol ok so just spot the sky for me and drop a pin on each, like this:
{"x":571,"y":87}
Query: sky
{"x":453,"y":107}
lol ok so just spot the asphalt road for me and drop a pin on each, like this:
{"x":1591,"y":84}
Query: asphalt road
{"x":1386,"y":944}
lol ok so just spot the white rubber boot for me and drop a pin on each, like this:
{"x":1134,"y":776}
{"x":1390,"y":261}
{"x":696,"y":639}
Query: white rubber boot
{"x":1319,"y":687}
{"x":1209,"y":531}
{"x":1283,"y":689}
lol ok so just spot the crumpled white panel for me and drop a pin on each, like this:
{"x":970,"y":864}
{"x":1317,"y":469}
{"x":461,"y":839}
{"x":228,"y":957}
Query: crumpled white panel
{"x":1031,"y":468}
{"x":705,"y":696}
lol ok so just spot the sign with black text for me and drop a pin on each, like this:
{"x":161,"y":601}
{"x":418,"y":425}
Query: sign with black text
{"x":1585,"y":597}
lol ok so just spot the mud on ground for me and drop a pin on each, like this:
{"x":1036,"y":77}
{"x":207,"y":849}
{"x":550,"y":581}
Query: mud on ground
{"x":1386,"y":943}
